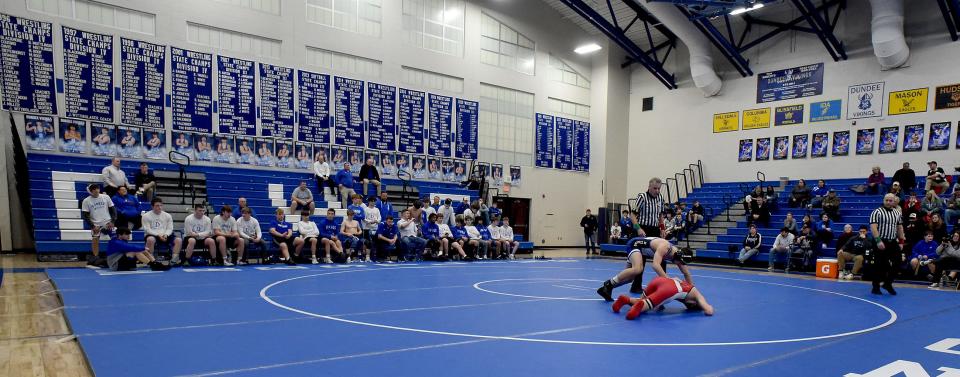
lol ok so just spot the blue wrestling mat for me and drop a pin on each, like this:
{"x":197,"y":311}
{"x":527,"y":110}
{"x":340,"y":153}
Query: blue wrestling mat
{"x":518,"y":318}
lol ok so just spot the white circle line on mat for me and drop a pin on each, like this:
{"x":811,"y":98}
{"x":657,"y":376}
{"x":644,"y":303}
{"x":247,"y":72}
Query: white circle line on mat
{"x":888,"y":322}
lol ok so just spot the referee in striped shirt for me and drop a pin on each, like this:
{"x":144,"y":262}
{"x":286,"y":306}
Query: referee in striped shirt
{"x":886,"y":226}
{"x":649,"y":207}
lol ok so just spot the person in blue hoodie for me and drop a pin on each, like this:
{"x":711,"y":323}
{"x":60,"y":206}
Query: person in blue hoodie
{"x":128,"y":208}
{"x":123,"y":256}
{"x":386,"y":239}
{"x":357,"y":208}
{"x":818,"y":192}
{"x":925,"y":254}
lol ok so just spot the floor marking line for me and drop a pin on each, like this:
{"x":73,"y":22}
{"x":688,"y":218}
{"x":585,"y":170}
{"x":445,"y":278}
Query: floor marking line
{"x":384,"y":352}
{"x":573,"y":287}
{"x":891,"y":320}
{"x":192,"y":327}
{"x":535,"y":280}
{"x":438,"y":307}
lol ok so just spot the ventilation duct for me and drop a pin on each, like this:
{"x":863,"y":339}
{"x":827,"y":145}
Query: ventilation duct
{"x":701,"y":62}
{"x":889,"y":44}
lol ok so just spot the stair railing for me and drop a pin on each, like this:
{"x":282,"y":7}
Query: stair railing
{"x":182,"y":179}
{"x":666,"y":183}
{"x":699,"y":166}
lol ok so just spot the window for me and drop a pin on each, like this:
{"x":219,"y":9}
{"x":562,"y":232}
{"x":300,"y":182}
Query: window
{"x":504,"y":47}
{"x":338,"y":61}
{"x":506,"y":125}
{"x":357,"y":16}
{"x":265,"y":6}
{"x":435,"y":25}
{"x":229,"y":40}
{"x":98,"y":13}
{"x":562,"y":72}
{"x":432,"y":80}
{"x":568,"y":109}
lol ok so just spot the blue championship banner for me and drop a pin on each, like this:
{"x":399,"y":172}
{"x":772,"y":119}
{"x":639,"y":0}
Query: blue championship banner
{"x":791,"y":83}
{"x":381,"y":118}
{"x":564,"y":150}
{"x":787,"y":115}
{"x":192,"y":90}
{"x":276,"y":101}
{"x":824,"y":111}
{"x":314,"y":107}
{"x":410,"y":119}
{"x":441,"y":122}
{"x":544,"y":141}
{"x":348,"y":111}
{"x":581,"y":146}
{"x":142,"y":68}
{"x":26,"y":65}
{"x":468,"y":113}
{"x":237,"y":106}
{"x":88,"y":75}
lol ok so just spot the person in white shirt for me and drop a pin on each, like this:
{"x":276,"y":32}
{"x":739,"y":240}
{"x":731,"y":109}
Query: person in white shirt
{"x":226,"y":234}
{"x":494,"y":230}
{"x":113,"y":177}
{"x":506,"y":238}
{"x":321,"y":172}
{"x":783,"y":244}
{"x":371,"y":220}
{"x":480,"y":245}
{"x":447,"y":214}
{"x":428,"y":210}
{"x":615,"y":232}
{"x":158,"y":228}
{"x":412,"y":244}
{"x":309,"y":234}
{"x":198,"y":228}
{"x":352,"y":237}
{"x":98,"y":213}
{"x":447,"y":234}
{"x":250,"y":234}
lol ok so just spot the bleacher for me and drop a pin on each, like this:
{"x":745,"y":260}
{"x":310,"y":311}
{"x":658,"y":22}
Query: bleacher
{"x":58,"y":185}
{"x":855,"y":210}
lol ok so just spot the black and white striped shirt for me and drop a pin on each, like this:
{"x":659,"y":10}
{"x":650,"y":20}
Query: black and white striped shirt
{"x":648,"y":209}
{"x":887,"y":220}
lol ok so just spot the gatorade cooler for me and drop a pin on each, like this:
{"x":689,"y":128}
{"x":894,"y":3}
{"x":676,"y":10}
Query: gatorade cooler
{"x":827,"y":268}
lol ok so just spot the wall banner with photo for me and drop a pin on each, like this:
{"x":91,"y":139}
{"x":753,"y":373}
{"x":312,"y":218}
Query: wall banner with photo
{"x":763,"y":149}
{"x":515,"y":175}
{"x":889,"y":139}
{"x":841,"y":143}
{"x":745,"y":151}
{"x":40,"y":133}
{"x":913,"y":138}
{"x":939,"y":136}
{"x":865,"y":141}
{"x":781,"y":147}
{"x":103,"y":139}
{"x":800,"y":145}
{"x":818,"y":148}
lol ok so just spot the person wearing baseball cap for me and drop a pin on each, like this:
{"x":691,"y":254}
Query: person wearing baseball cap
{"x":936,"y":177}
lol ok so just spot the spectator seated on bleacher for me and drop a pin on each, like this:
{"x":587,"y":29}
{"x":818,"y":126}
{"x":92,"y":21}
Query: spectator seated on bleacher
{"x":330,"y":238}
{"x":876,"y":181}
{"x":897,"y":190}
{"x":783,"y":244}
{"x":158,"y":230}
{"x":790,"y":224}
{"x":936,"y":225}
{"x":371,"y":222}
{"x":831,"y":205}
{"x":925,"y":254}
{"x":771,"y":198}
{"x":803,"y":248}
{"x":352,"y":235}
{"x":113,"y":177}
{"x":817,"y":193}
{"x":931,"y":204}
{"x":411,"y":243}
{"x":281,"y":233}
{"x":906,"y":178}
{"x":615,"y":233}
{"x":855,"y":249}
{"x":251,"y":235}
{"x":948,"y":259}
{"x":626,"y":224}
{"x":309,"y":234}
{"x":911,"y":206}
{"x":387,"y":236}
{"x":953,"y":209}
{"x":695,"y":215}
{"x":507,"y":240}
{"x":845,"y":236}
{"x":751,"y":245}
{"x":447,"y":213}
{"x":383,"y":204}
{"x":824,"y":231}
{"x":344,"y":180}
{"x":226,"y":235}
{"x":145,"y":182}
{"x":759,"y":212}
{"x":302,"y":199}
{"x":913,"y":230}
{"x":800,"y":195}
{"x":128,"y":209}
{"x":669,"y":229}
{"x":322,"y":174}
{"x":198,"y":229}
{"x":369,"y":174}
{"x":936,"y":179}
{"x":241,"y":205}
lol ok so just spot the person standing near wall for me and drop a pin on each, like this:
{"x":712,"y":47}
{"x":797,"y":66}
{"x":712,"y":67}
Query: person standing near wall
{"x":907,"y":178}
{"x":589,"y":225}
{"x":886,"y":226}
{"x":649,"y":207}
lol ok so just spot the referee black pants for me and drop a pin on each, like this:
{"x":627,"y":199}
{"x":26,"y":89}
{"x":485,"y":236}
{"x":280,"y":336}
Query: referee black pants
{"x":651,"y":231}
{"x":886,"y":263}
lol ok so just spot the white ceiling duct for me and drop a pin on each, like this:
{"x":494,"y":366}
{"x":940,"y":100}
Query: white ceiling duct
{"x":701,"y":62}
{"x":889,"y":43}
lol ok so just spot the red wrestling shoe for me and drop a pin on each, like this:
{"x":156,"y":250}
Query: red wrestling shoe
{"x":621,"y":301}
{"x":636,"y":310}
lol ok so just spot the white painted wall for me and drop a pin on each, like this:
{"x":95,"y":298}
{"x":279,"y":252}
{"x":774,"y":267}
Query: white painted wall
{"x":564,"y":194}
{"x":679,"y":129}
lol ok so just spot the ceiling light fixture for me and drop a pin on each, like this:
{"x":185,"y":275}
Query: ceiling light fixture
{"x":745,"y":10}
{"x":587,"y":48}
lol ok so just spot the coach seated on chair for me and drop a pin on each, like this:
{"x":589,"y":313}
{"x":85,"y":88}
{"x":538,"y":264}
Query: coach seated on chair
{"x":302,"y":198}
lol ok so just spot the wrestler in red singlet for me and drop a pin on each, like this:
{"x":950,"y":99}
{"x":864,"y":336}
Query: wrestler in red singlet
{"x":659,"y":291}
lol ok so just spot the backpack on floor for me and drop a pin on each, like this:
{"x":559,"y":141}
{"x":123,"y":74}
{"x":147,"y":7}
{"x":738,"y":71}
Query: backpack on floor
{"x":859,"y":189}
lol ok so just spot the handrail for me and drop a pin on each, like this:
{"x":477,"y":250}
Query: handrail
{"x":182,"y":179}
{"x":697,"y":165}
{"x":693,"y":178}
{"x":727,"y":201}
{"x":666,"y":182}
{"x":708,"y":214}
{"x":686,"y":190}
{"x":761,"y":177}
{"x":406,"y":182}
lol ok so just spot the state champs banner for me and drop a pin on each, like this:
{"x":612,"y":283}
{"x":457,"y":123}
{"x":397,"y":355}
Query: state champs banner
{"x":544,"y":141}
